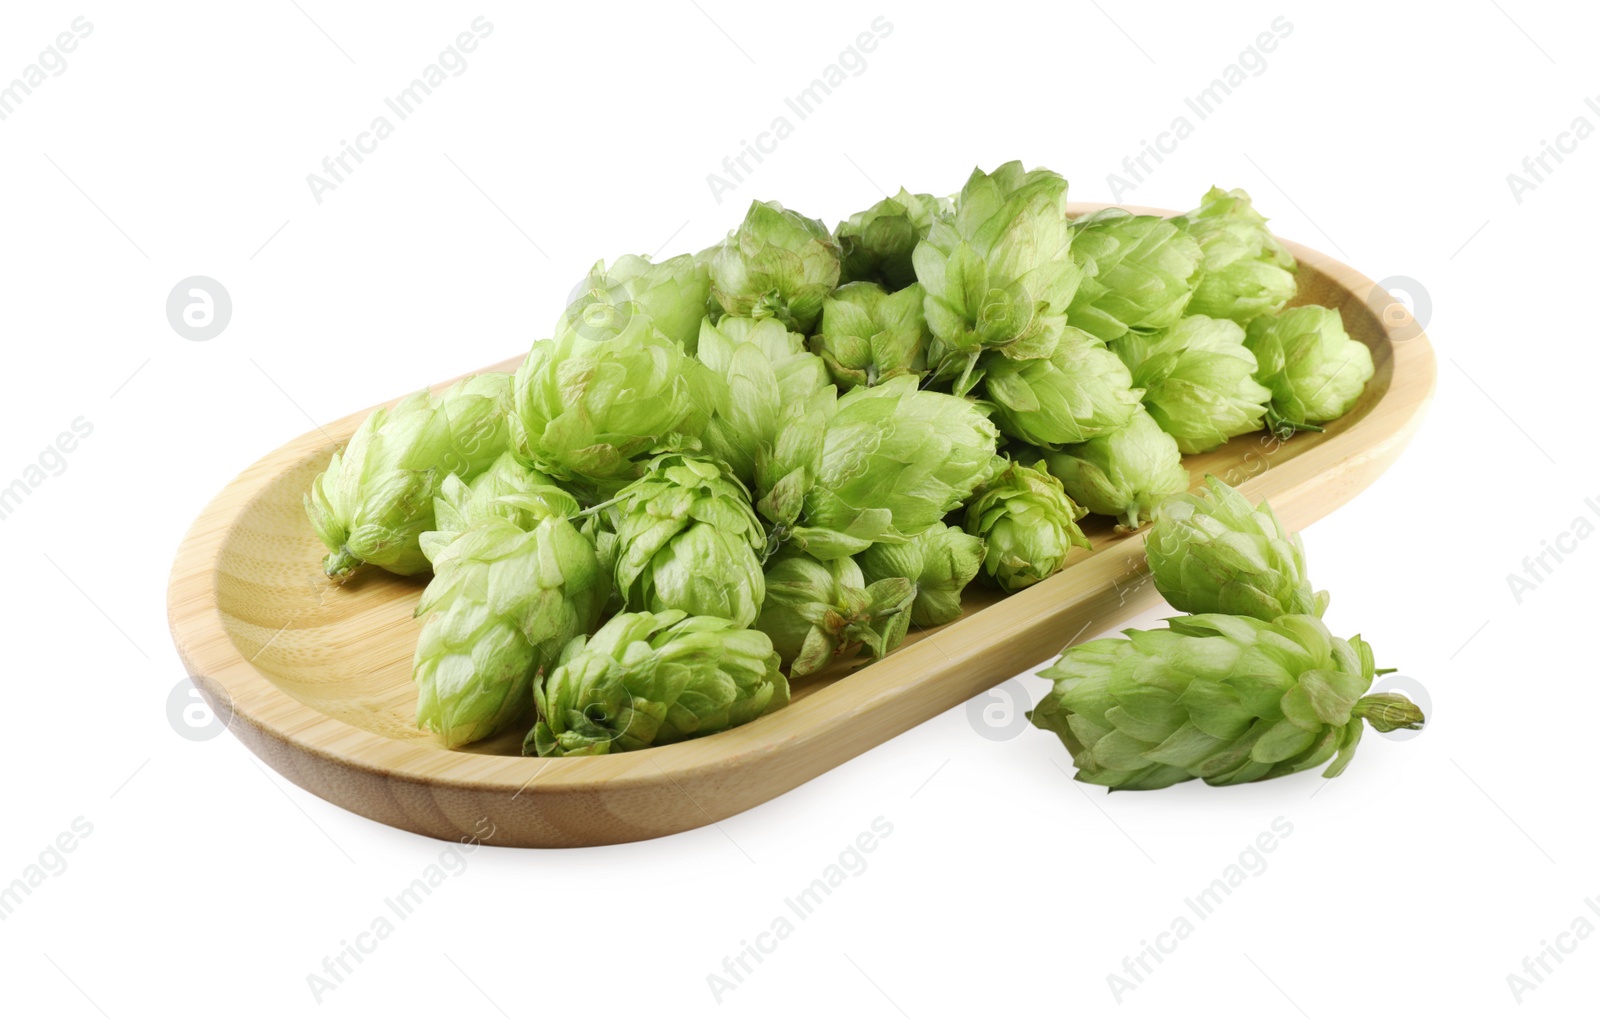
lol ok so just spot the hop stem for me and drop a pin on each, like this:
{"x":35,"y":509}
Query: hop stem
{"x":338,"y":565}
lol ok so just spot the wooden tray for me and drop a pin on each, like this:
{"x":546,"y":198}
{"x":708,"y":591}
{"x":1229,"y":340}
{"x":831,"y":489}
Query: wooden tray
{"x":315,"y":678}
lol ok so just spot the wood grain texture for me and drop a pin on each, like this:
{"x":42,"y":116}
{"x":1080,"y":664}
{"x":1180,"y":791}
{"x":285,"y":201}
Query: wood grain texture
{"x":315,"y":677}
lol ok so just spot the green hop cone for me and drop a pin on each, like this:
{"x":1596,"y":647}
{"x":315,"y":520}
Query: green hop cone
{"x":1080,"y":391}
{"x":504,"y":600}
{"x":688,"y":539}
{"x":461,"y":505}
{"x":940,"y":563}
{"x":651,"y":678}
{"x":1028,"y":524}
{"x":1198,"y":380}
{"x":868,"y":336}
{"x":1139,"y":273}
{"x":875,"y":246}
{"x":375,"y":499}
{"x":1122,"y":474}
{"x":1227,"y":699}
{"x":816,"y":611}
{"x":894,"y":459}
{"x":673,"y":294}
{"x":997,"y":271}
{"x":777,"y":264}
{"x":1244,"y":270}
{"x":584,"y":411}
{"x":1214,"y":552}
{"x":767,"y":375}
{"x":1315,"y":371}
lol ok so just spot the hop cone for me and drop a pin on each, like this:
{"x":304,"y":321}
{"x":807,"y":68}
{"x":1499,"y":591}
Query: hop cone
{"x":875,"y":246}
{"x":868,"y":336}
{"x":688,"y":539}
{"x":375,"y":499}
{"x":1227,"y":699}
{"x":816,"y":611}
{"x":1213,"y":552}
{"x":1080,"y":391}
{"x":1315,"y":371}
{"x":584,"y":410}
{"x":893,"y":461}
{"x":507,"y":594}
{"x":1028,"y":524}
{"x":940,"y":563}
{"x":778,"y":264}
{"x":767,"y":376}
{"x":1244,"y":271}
{"x":1198,"y":381}
{"x":650,"y":678}
{"x":672,"y":294}
{"x":1139,"y":273}
{"x":997,"y":271}
{"x":461,"y":505}
{"x":1122,"y":474}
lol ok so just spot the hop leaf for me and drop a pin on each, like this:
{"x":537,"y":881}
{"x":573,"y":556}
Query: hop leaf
{"x":768,"y":376}
{"x":876,"y":245}
{"x":688,"y":539}
{"x":584,"y":410}
{"x":375,"y":499}
{"x":777,"y":264}
{"x":1139,"y":273}
{"x":1227,"y":699}
{"x":1198,"y":382}
{"x":1028,"y":524}
{"x":1078,"y":392}
{"x":651,"y":678}
{"x":816,"y":611}
{"x":1315,"y":371}
{"x":1213,"y":552}
{"x":997,"y":271}
{"x":1122,"y":474}
{"x":940,"y":563}
{"x":672,"y":294}
{"x":1244,"y":270}
{"x":868,"y":336}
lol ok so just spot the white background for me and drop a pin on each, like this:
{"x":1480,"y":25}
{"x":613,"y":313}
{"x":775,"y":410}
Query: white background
{"x":178,"y":143}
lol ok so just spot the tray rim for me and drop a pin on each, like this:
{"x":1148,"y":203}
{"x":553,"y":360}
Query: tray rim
{"x":251,"y":700}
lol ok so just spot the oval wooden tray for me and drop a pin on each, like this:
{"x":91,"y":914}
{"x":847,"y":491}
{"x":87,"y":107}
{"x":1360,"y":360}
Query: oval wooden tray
{"x":315,"y":677}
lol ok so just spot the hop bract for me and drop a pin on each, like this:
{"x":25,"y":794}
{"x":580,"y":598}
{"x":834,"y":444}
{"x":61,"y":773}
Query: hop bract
{"x":1214,"y":552}
{"x":1080,"y":391}
{"x":650,"y":678}
{"x":1122,"y":474}
{"x":777,"y":264}
{"x":1244,"y":270}
{"x":875,"y":246}
{"x":868,"y":336}
{"x":767,"y":376}
{"x":1028,"y":524}
{"x":1315,"y":371}
{"x":462,"y":505}
{"x":940,"y":563}
{"x":1198,"y":380}
{"x":585,"y":410}
{"x":375,"y":499}
{"x":816,"y":611}
{"x":1139,"y":273}
{"x":507,"y":594}
{"x":894,"y":460}
{"x":1227,"y":699}
{"x":673,"y":294}
{"x":688,"y":539}
{"x":997,"y":271}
